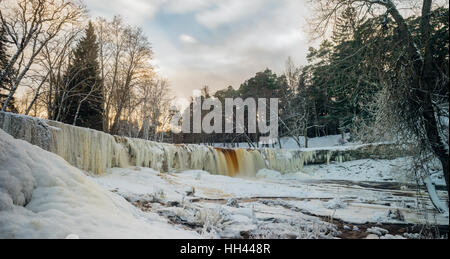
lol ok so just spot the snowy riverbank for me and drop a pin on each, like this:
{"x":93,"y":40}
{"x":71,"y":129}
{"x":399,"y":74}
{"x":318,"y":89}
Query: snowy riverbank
{"x":42,"y":196}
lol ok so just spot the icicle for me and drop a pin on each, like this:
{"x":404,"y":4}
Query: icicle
{"x":96,"y":151}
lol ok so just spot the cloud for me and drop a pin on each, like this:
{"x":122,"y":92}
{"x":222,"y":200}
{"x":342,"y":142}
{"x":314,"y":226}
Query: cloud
{"x":188,"y":39}
{"x":229,"y":11}
{"x":266,"y":42}
{"x":135,"y":12}
{"x":185,"y":6}
{"x":227,"y":42}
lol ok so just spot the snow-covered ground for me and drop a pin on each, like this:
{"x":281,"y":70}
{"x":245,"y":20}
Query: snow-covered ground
{"x":398,"y":170}
{"x":290,"y":143}
{"x":291,"y":201}
{"x":42,"y":196}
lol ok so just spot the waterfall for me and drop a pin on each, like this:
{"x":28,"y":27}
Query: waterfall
{"x":96,"y":151}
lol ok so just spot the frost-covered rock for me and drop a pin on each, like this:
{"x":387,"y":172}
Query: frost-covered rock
{"x":412,"y":235}
{"x":334,"y":204}
{"x":33,"y":130}
{"x":232,"y":202}
{"x":190,"y":191}
{"x":377,"y":231}
{"x":388,"y":236}
{"x":395,"y":214}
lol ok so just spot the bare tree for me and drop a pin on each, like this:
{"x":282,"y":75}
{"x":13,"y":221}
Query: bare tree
{"x":294,"y":111}
{"x":128,"y":69}
{"x":153,"y":110}
{"x":111,"y":50}
{"x":30,"y":25}
{"x":85,"y":98}
{"x":412,"y":81}
{"x":53,"y":60}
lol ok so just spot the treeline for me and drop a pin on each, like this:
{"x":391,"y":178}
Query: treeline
{"x":265,"y":84}
{"x":344,"y":87}
{"x":59,"y":64}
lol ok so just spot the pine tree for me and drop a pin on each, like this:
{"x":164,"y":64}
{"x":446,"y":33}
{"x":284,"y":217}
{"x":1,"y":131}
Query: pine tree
{"x":345,"y":26}
{"x":85,"y":105}
{"x":6,"y":81}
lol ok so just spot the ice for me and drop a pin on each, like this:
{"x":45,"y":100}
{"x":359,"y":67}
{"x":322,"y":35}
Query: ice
{"x":396,"y":170}
{"x":273,"y":192}
{"x":266,"y":173}
{"x":334,"y":204}
{"x":290,"y":143}
{"x":96,"y":151}
{"x":42,"y":196}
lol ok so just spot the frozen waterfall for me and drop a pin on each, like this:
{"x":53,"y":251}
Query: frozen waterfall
{"x":95,"y":151}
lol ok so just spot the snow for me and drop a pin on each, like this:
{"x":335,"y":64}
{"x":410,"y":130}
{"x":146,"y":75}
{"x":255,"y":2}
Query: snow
{"x":133,"y":184}
{"x":364,"y":170}
{"x":319,"y":142}
{"x":388,"y":236}
{"x":334,"y":204}
{"x":434,"y":197}
{"x":267,"y":173}
{"x":290,"y":143}
{"x":350,"y":201}
{"x":444,"y":125}
{"x":144,"y":189}
{"x":42,"y":196}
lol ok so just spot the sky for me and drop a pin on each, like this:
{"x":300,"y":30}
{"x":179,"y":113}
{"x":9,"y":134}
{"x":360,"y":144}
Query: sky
{"x":215,"y":42}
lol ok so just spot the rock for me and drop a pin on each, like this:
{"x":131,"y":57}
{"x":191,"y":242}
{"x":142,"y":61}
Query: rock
{"x":392,"y":237}
{"x":190,"y":191}
{"x":355,"y":228}
{"x":173,"y":204}
{"x":232,"y":202}
{"x":145,"y":206}
{"x":396,"y":214}
{"x":334,"y":204}
{"x":377,"y":231}
{"x":346,"y":227}
{"x":411,"y":235}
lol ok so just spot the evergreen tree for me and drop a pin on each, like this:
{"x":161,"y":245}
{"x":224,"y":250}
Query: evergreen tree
{"x":343,"y":77}
{"x":85,"y":105}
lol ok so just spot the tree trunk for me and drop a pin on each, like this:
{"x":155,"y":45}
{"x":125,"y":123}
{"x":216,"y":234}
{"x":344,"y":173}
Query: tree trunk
{"x":36,"y":95}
